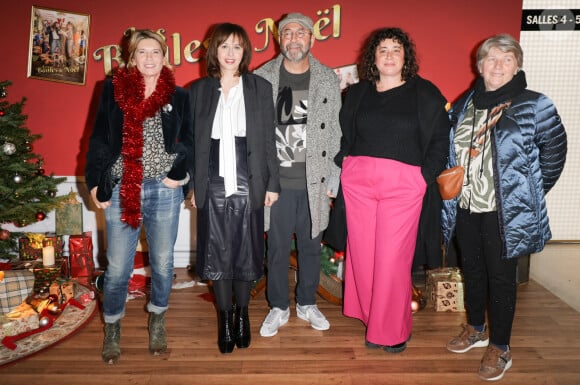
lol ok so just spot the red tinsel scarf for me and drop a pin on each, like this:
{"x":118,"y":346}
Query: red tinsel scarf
{"x":129,"y":92}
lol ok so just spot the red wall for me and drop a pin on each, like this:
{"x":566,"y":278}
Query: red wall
{"x":446,"y":33}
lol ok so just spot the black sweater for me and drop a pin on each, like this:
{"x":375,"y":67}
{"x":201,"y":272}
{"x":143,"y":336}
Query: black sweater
{"x":430,"y":115}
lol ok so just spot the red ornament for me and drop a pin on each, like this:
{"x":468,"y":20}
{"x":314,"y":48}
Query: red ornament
{"x":4,"y":234}
{"x":53,"y":298}
{"x":40,"y":216}
{"x":41,"y":171}
{"x":1,"y":113}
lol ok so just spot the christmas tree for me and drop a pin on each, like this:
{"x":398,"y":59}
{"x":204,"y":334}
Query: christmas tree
{"x":26,"y":193}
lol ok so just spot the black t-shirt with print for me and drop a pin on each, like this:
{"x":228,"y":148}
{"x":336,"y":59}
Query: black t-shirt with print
{"x":291,"y":118}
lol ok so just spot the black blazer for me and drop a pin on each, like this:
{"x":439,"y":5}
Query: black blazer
{"x":107,"y":139}
{"x":260,"y":135}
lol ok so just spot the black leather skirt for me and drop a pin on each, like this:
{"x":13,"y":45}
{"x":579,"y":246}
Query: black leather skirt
{"x":230,"y":239}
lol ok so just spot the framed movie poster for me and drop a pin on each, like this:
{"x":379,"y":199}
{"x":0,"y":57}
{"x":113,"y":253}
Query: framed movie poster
{"x":347,"y":75}
{"x":58,"y":45}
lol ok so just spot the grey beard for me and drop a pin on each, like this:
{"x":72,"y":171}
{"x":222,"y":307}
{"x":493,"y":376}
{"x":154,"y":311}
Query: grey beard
{"x":294,"y":59}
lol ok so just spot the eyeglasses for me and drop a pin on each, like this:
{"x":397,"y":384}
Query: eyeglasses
{"x":300,"y":34}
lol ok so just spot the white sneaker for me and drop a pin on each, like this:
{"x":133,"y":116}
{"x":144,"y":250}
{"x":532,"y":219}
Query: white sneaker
{"x":275,"y":318}
{"x":311,"y":314}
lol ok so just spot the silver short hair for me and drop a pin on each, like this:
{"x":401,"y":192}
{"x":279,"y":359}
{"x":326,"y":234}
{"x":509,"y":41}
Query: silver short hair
{"x":505,"y":43}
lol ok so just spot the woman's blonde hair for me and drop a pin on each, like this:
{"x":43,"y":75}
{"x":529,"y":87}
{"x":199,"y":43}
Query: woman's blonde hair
{"x":142,"y":34}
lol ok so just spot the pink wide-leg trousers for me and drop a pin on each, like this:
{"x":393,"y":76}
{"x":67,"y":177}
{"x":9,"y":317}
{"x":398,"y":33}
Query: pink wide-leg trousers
{"x":383,"y":201}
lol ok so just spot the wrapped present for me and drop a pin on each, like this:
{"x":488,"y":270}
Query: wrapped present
{"x":28,"y":249}
{"x":64,"y":290}
{"x":81,"y":262}
{"x":30,"y":246}
{"x":445,"y":289}
{"x":44,"y":276}
{"x":449,"y":297}
{"x":15,"y":286}
{"x":69,"y":216}
{"x":5,"y":265}
{"x":141,"y":275}
{"x":21,"y":319}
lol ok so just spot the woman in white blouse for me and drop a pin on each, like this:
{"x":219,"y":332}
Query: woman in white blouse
{"x":235,"y":176}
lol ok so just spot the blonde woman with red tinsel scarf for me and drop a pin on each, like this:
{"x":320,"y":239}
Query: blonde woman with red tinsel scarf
{"x":138,"y":165}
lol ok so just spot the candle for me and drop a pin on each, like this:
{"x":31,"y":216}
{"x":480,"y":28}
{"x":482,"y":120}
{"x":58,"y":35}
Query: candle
{"x":48,"y":256}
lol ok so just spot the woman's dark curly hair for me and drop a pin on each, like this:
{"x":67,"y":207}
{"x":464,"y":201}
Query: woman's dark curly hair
{"x":368,"y":70}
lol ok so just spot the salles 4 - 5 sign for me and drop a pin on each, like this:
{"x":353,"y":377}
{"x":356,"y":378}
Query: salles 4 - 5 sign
{"x":550,"y":20}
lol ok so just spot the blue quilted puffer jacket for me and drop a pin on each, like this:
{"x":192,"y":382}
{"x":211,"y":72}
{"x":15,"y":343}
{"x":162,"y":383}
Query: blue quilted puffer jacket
{"x":529,"y":151}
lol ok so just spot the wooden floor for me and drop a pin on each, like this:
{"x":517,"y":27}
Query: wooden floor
{"x":545,"y":346}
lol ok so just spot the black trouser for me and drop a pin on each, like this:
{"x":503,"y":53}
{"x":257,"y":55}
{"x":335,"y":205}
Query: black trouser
{"x":487,"y":275}
{"x":290,"y":214}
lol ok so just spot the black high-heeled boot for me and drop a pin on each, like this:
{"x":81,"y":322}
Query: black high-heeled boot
{"x":242,"y":327}
{"x":226,"y":341}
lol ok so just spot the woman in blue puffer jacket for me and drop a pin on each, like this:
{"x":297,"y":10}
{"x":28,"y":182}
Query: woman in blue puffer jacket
{"x":512,"y":145}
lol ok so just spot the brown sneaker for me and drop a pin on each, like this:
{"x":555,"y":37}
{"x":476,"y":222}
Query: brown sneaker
{"x":468,"y":339}
{"x":494,"y":363}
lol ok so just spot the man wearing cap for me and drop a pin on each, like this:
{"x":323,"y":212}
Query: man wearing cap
{"x":307,"y":99}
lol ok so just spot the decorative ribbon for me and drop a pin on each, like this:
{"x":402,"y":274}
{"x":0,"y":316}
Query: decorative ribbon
{"x":10,"y":341}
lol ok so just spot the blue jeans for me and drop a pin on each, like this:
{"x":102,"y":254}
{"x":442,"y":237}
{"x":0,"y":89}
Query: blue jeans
{"x":160,"y":207}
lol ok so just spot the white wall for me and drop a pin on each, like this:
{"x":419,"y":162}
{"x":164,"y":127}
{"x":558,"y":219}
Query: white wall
{"x":551,"y":60}
{"x":557,"y":268}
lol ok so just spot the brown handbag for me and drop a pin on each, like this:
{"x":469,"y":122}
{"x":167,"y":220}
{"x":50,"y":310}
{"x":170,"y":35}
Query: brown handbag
{"x":450,"y":182}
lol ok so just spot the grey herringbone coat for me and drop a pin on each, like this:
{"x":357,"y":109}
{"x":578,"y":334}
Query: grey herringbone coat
{"x":323,"y":137}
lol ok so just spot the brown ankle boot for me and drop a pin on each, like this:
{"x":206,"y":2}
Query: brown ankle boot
{"x":111,"y":348}
{"x":157,"y":337}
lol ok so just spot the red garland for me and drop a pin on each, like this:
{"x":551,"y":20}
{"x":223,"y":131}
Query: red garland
{"x":129,"y":92}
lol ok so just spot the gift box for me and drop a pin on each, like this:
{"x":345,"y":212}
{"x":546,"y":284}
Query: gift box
{"x":449,"y":297}
{"x":445,"y":289}
{"x":141,"y":275}
{"x":30,"y":246}
{"x":64,"y":290}
{"x":69,"y":216}
{"x":15,"y":287}
{"x":22,"y":319}
{"x":44,"y":276}
{"x":28,"y":250}
{"x":81,"y":263}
